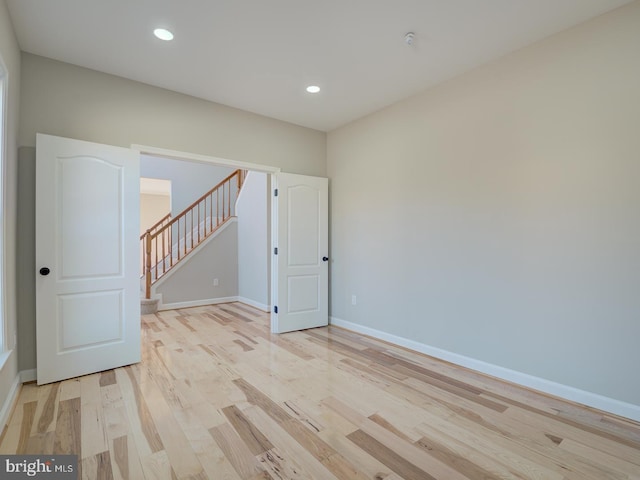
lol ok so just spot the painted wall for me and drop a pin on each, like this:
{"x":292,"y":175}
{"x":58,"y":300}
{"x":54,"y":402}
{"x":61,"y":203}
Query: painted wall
{"x":152,"y":209}
{"x":26,"y":259}
{"x":253,"y":245}
{"x":61,"y":99}
{"x":69,"y":101}
{"x":189,"y":180}
{"x":10,"y":58}
{"x":193,"y":281}
{"x":497,"y":216}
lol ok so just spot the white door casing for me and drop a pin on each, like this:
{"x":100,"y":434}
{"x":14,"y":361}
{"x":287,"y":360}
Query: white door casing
{"x":87,"y":216}
{"x":300,"y":267}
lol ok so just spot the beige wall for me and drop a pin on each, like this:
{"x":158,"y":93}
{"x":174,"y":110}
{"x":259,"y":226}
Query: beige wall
{"x":189,"y":180}
{"x":252,"y":209}
{"x":152,"y":209}
{"x":69,"y":101}
{"x":10,"y":57}
{"x":497,"y":216}
{"x":216,"y":258}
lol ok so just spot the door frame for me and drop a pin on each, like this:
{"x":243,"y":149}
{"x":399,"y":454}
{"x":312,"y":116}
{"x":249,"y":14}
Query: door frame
{"x":271,"y":171}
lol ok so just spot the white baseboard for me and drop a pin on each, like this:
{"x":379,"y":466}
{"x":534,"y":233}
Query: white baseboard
{"x":254,"y":304}
{"x":210,"y":301}
{"x":9,"y":402}
{"x":590,"y":399}
{"x":194,"y":303}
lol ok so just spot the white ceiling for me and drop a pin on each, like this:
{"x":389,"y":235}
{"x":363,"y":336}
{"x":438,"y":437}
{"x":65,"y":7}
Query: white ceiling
{"x":259,"y":55}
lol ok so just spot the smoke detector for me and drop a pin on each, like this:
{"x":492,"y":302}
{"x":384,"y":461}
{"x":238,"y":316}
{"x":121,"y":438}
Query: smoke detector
{"x":408,"y":38}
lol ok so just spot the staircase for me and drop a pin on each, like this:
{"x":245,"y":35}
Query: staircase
{"x":171,"y":239}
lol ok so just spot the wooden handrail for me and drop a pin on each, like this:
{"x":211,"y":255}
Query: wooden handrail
{"x":156,"y":225}
{"x":143,"y":244}
{"x":194,"y":204}
{"x":190,"y":227}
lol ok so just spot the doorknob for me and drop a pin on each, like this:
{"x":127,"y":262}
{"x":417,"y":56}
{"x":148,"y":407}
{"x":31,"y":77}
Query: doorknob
{"x":325,"y":259}
{"x":44,"y":271}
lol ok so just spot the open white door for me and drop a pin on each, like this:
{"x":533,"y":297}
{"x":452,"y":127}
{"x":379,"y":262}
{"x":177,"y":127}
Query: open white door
{"x":300,"y":266}
{"x":87,"y":286}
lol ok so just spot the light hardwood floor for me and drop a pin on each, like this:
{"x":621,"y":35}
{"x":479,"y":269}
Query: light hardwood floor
{"x":217,"y":396}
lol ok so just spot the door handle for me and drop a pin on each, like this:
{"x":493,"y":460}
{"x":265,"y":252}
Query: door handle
{"x":325,"y":259}
{"x":44,"y":271}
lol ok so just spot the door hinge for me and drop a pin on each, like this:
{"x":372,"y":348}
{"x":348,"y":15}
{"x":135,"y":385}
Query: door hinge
{"x":275,"y":309}
{"x":275,"y":192}
{"x":275,"y":251}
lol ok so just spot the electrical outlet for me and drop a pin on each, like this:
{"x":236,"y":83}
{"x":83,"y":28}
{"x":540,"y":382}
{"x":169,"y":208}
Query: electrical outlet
{"x":215,"y":282}
{"x":353,"y":300}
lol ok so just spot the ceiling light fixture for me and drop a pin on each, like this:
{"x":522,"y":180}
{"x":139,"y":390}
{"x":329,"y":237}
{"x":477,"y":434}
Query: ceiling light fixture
{"x":163,"y":34}
{"x":313,"y":89}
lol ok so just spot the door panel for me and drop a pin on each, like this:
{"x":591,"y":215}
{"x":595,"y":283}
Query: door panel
{"x":300,"y":273}
{"x":92,"y":192}
{"x":106,"y":324}
{"x":87,"y":215}
{"x":303,"y":220}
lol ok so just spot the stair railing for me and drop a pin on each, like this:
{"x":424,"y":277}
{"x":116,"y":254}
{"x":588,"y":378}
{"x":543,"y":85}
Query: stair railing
{"x":143,"y":244}
{"x":190,"y":228}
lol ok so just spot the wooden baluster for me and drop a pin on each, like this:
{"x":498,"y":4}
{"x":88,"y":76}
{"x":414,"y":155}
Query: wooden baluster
{"x":158,"y":253}
{"x":164,"y":254}
{"x":198,"y":223}
{"x":143,"y":259}
{"x":178,"y":239}
{"x":147,"y":291}
{"x":166,"y":225}
{"x":170,"y":234}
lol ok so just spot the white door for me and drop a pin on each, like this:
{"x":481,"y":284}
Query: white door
{"x":301,"y":266}
{"x":87,"y":286}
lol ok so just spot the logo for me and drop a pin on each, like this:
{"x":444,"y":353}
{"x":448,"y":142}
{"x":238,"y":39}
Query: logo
{"x":51,"y":467}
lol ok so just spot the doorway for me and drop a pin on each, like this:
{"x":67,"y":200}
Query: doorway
{"x":155,"y":201}
{"x":247,"y":266}
{"x":298,"y":224}
{"x":85,"y":213}
{"x":233,"y":262}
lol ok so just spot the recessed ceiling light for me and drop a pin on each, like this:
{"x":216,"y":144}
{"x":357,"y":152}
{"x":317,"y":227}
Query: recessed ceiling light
{"x":163,"y":34}
{"x":313,"y":89}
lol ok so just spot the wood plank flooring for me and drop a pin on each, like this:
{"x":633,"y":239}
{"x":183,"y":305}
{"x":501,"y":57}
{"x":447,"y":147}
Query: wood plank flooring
{"x":218,"y":397}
